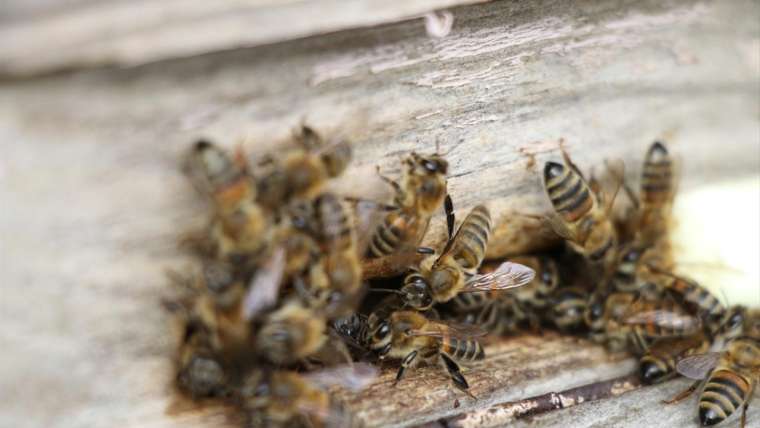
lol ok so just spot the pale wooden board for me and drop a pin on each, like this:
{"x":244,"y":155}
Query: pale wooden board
{"x":92,"y":199}
{"x":45,"y":37}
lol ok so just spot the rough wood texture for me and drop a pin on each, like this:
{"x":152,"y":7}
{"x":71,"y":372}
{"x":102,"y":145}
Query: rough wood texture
{"x":47,"y":38}
{"x":92,"y":199}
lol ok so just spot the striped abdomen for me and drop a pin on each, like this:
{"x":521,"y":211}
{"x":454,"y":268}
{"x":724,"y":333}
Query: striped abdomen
{"x":659,"y":362}
{"x":462,"y":349}
{"x":724,"y":392}
{"x":568,"y":307}
{"x":624,"y":279}
{"x":334,"y":222}
{"x":569,"y":194}
{"x":704,"y":302}
{"x":472,"y":238}
{"x":397,"y":230}
{"x":657,"y":176}
{"x":469,"y":302}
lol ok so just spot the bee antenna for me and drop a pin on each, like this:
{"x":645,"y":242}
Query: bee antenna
{"x":385,"y":290}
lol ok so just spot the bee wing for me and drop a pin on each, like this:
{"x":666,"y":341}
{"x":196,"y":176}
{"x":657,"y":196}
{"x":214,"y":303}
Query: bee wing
{"x":354,"y":377}
{"x":451,"y":329}
{"x":698,"y":366}
{"x":665,"y":319}
{"x":507,"y":275}
{"x":265,"y":285}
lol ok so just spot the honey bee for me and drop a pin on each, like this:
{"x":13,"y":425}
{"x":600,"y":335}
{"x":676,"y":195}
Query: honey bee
{"x":291,"y":333}
{"x":659,"y":362}
{"x":240,"y":228}
{"x":200,"y":370}
{"x":698,"y":298}
{"x":301,"y":173}
{"x":421,"y":191}
{"x":411,"y":337}
{"x":728,"y":377}
{"x":352,"y":329}
{"x":580,"y":216}
{"x":568,"y":306}
{"x":286,"y":398}
{"x":499,"y":313}
{"x":439,"y":278}
{"x":335,"y":280}
{"x":655,"y":200}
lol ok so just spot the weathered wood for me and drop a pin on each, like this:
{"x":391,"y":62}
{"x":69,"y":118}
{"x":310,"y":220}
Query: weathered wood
{"x":93,"y":201}
{"x":45,"y":38}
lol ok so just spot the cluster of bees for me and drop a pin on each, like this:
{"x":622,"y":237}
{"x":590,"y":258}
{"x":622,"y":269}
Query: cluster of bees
{"x":299,"y":289}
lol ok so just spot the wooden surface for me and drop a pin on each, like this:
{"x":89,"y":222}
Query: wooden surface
{"x":93,"y":201}
{"x":46,"y":37}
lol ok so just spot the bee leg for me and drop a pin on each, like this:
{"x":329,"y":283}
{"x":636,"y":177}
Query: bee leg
{"x":392,"y":183}
{"x":683,"y":394}
{"x":406,"y":362}
{"x":456,"y":375}
{"x":450,"y":219}
{"x":743,"y":422}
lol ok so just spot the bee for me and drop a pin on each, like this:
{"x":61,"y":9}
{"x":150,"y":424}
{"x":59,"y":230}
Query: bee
{"x":240,"y":228}
{"x":499,"y":313}
{"x":201,"y":370}
{"x":420,"y":192}
{"x":698,"y":298}
{"x":290,"y":334}
{"x":411,"y":337}
{"x":353,"y":330}
{"x":659,"y":362}
{"x":579,"y":214}
{"x":728,"y":378}
{"x":335,"y":280}
{"x":301,"y":173}
{"x":568,"y":306}
{"x":287,"y":398}
{"x":439,"y":278}
{"x":655,"y":200}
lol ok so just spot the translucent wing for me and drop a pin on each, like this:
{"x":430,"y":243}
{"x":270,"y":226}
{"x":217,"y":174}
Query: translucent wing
{"x":265,"y":285}
{"x":507,"y":275}
{"x":451,"y":329}
{"x":666,"y":319}
{"x":698,"y":366}
{"x":354,"y":377}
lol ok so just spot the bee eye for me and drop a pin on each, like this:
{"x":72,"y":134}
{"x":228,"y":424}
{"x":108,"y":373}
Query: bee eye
{"x":546,"y":277}
{"x":430,"y":165}
{"x":736,"y":320}
{"x":596,"y":310}
{"x":383,"y":331}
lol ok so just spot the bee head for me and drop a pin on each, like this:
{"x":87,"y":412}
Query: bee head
{"x":417,"y":294}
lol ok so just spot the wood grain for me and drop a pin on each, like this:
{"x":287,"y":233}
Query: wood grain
{"x":93,"y":200}
{"x":47,"y":37}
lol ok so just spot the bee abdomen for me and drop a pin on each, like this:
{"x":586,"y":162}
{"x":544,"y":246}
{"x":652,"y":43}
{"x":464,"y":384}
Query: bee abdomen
{"x":656,"y":177}
{"x":474,"y":232}
{"x":653,"y":369}
{"x":387,"y":236}
{"x":463,"y":350}
{"x":569,"y":194}
{"x":467,"y":302}
{"x":335,"y":222}
{"x":724,"y":392}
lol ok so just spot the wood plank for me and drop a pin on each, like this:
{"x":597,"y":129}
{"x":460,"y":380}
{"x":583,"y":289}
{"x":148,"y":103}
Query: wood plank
{"x":47,"y":37}
{"x":93,"y":200}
